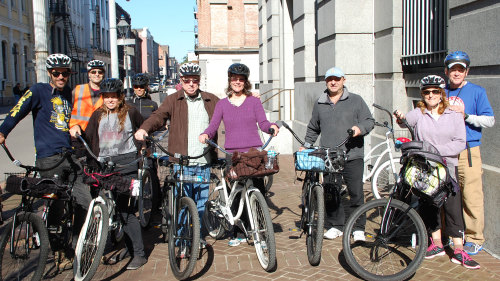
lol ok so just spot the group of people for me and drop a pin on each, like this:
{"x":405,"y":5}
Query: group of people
{"x":449,"y":116}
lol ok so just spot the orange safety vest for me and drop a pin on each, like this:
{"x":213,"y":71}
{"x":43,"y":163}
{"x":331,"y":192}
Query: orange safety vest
{"x":83,"y":107}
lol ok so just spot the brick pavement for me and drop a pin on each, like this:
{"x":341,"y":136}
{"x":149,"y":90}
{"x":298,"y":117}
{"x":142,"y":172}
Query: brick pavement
{"x":221,"y":262}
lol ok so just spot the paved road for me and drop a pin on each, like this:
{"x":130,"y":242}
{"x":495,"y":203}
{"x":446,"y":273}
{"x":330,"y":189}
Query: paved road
{"x":221,"y":262}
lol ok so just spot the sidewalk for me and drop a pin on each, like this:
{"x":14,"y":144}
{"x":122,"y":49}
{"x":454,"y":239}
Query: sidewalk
{"x":221,"y":262}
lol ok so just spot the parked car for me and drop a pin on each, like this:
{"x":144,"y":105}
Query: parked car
{"x":154,"y":87}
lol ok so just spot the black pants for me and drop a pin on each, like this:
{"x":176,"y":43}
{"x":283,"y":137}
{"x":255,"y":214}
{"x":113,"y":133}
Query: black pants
{"x":335,"y":213}
{"x":70,"y":170}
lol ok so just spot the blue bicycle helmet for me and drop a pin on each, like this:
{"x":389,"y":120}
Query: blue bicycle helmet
{"x":457,"y":57}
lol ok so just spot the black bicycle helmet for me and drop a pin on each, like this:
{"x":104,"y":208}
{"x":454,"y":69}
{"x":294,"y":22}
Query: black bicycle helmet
{"x":140,"y":79}
{"x":238,"y":69}
{"x":58,"y":61}
{"x":111,"y":85}
{"x":95,"y":64}
{"x":432,"y":81}
{"x":189,"y":68}
{"x":457,"y":57}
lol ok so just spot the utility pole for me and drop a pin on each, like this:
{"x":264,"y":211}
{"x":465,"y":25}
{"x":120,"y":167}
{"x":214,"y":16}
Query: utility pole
{"x":112,"y":39}
{"x":40,"y":32}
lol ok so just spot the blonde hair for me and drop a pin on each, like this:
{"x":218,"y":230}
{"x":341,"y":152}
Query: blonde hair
{"x":443,"y":104}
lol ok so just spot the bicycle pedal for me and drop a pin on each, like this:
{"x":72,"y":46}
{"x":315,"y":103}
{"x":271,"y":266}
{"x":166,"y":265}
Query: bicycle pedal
{"x":54,"y":229}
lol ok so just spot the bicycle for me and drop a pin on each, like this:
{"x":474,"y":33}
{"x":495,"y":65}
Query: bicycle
{"x":24,"y":243}
{"x":384,"y":174}
{"x":315,"y":163}
{"x":102,"y":216}
{"x":219,"y":217}
{"x":180,"y":220}
{"x":396,"y":237}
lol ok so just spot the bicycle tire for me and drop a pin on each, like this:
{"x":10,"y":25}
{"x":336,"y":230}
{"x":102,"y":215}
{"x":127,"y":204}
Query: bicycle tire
{"x":146,"y":199}
{"x":91,"y":243}
{"x":392,"y":256}
{"x":315,"y":225}
{"x":383,"y":180}
{"x":266,"y":253}
{"x":268,"y":182}
{"x":184,"y":239}
{"x":212,"y":216}
{"x":18,"y":267}
{"x":165,"y":214}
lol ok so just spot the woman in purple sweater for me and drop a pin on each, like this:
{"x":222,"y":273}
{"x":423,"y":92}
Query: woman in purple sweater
{"x":241,"y":112}
{"x":434,"y":123}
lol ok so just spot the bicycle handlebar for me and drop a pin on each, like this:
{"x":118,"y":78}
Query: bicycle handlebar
{"x":33,"y":168}
{"x":271,"y":132}
{"x":350,"y":133}
{"x":405,"y":123}
{"x":175,"y":155}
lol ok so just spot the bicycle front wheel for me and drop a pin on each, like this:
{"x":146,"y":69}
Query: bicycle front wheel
{"x":146,"y":199}
{"x":263,"y":232}
{"x":184,"y":239}
{"x":213,"y":219}
{"x":315,"y":224}
{"x":384,"y":179}
{"x":91,"y":243}
{"x":395,"y":241}
{"x":24,"y":248}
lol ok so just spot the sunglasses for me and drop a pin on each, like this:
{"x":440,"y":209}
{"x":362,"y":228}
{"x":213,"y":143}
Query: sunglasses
{"x":189,"y":81}
{"x":139,"y":87}
{"x":236,"y":79}
{"x":100,"y":72}
{"x":427,"y":92}
{"x":57,"y":73}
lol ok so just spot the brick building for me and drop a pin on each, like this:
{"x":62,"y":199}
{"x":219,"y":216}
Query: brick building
{"x":227,"y":32}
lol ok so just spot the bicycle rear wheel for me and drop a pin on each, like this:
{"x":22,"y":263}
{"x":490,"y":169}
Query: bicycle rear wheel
{"x":315,"y":225}
{"x":384,"y":179}
{"x":146,"y":199}
{"x":184,"y":239}
{"x":396,"y":241}
{"x":29,"y":241}
{"x":263,"y":232}
{"x":91,"y":243}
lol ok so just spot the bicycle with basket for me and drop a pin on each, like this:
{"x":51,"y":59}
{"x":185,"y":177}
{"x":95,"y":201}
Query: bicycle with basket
{"x":316,"y":162}
{"x":24,"y":243}
{"x":396,"y":237}
{"x":235,"y":188}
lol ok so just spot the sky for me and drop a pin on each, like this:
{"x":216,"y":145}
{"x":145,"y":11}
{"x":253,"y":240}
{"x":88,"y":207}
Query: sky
{"x":170,"y":22}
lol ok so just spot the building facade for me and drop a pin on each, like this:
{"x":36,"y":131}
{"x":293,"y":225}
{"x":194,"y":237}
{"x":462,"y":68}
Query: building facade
{"x":16,"y":47}
{"x":384,"y":47}
{"x":226,"y":32}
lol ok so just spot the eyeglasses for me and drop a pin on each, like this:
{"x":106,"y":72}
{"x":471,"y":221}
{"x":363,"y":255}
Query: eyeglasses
{"x":139,"y":87}
{"x":57,"y":73}
{"x":427,"y":92}
{"x":236,"y":79}
{"x":100,"y":72}
{"x":189,"y":81}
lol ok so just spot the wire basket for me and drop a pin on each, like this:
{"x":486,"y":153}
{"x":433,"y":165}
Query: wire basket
{"x":307,"y":161}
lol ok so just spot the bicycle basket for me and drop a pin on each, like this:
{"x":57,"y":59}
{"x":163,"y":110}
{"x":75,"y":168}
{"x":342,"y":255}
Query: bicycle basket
{"x":252,"y":164}
{"x":37,"y":187}
{"x":309,"y":160}
{"x":114,"y":181}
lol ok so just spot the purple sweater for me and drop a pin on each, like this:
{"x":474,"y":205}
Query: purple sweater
{"x":447,"y":133}
{"x":240,"y":123}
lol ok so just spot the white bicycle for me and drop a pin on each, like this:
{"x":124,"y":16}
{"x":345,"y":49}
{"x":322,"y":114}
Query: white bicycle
{"x":383,"y":173}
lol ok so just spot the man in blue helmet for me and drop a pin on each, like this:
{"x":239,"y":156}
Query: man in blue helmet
{"x":470,"y":100}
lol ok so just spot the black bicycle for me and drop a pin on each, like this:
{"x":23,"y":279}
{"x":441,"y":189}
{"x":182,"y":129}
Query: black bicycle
{"x":180,"y":220}
{"x":25,"y":242}
{"x":315,"y":162}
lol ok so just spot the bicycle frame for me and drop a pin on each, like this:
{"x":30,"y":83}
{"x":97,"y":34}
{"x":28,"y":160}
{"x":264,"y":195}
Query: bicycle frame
{"x":379,"y":157}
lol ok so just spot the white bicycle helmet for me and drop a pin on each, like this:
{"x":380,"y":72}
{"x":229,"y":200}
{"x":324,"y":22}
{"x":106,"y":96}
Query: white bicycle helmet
{"x":432,"y":81}
{"x":58,"y":61}
{"x":95,"y":64}
{"x":189,"y":68}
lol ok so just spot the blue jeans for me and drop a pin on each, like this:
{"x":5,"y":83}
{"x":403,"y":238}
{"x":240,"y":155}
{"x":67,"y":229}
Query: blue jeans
{"x":197,"y":191}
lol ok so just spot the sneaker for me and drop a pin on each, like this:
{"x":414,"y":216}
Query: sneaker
{"x":332,"y":233}
{"x":203,"y":243}
{"x":434,"y":251}
{"x":120,"y":256}
{"x":472,"y":248}
{"x":137,"y":262}
{"x":461,"y":257}
{"x":62,"y":261}
{"x":236,"y":241}
{"x":358,"y":235}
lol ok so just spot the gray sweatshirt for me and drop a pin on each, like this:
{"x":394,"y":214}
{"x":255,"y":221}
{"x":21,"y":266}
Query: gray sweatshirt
{"x":333,"y":120}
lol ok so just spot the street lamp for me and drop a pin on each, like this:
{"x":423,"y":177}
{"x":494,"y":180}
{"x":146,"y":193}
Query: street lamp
{"x":123,"y":29}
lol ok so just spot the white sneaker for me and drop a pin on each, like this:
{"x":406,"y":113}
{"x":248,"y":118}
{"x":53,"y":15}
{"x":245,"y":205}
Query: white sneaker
{"x":358,"y":235}
{"x":332,"y":233}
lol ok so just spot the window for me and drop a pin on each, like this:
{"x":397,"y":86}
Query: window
{"x":15,"y":54}
{"x":424,"y":32}
{"x":4,"y":59}
{"x":26,"y":64}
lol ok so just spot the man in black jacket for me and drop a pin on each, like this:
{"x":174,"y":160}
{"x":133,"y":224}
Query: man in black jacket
{"x":336,"y":111}
{"x":142,"y":100}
